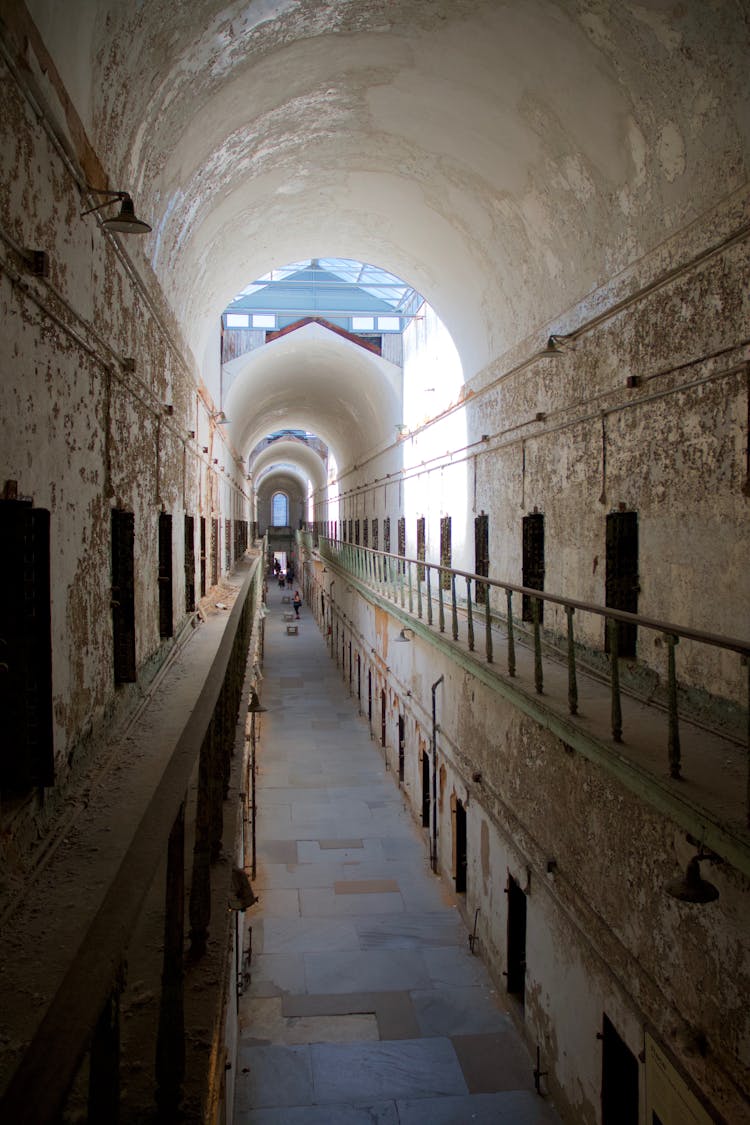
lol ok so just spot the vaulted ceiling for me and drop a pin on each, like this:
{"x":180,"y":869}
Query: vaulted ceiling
{"x":503,"y":157}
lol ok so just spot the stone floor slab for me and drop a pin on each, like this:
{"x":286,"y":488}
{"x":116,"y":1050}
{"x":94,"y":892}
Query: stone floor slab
{"x":458,"y":1011}
{"x":275,"y":1076}
{"x":374,"y":971}
{"x":381,"y":1113}
{"x":495,"y":1062}
{"x":516,"y":1108}
{"x":410,"y":1068}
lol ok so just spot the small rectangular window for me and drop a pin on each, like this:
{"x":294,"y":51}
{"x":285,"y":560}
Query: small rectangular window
{"x":375,"y":535}
{"x":387,"y":535}
{"x":356,"y":532}
{"x":264,"y":320}
{"x":389,"y":324}
{"x":238,"y":320}
{"x":363,"y":323}
{"x":123,"y":595}
{"x":420,"y":547}
{"x":365,"y":533}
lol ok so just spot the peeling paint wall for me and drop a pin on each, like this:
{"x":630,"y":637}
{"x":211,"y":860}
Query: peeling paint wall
{"x":593,"y":858}
{"x":99,"y":402}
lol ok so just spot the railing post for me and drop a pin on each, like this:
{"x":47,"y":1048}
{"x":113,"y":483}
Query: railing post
{"x":469,"y":616}
{"x":572,"y":682}
{"x":104,"y":1068}
{"x":170,"y":1043}
{"x":429,"y":598}
{"x":511,"y":640}
{"x":454,"y":609}
{"x":538,"y":670}
{"x":441,"y":605}
{"x":614,"y":660}
{"x":673,"y":744}
{"x":487,"y":625}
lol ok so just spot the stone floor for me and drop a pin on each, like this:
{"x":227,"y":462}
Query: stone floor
{"x":365,"y":1004}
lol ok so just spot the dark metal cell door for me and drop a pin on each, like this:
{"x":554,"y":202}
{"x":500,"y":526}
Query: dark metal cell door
{"x":189,"y":564}
{"x":166,"y":627}
{"x":383,"y":730}
{"x":401,"y":747}
{"x":123,"y":595}
{"x":622,"y":584}
{"x":446,"y":551}
{"x":425,"y":790}
{"x":420,"y":547}
{"x":461,"y":858}
{"x":27,"y":751}
{"x":481,"y":554}
{"x":203,"y":557}
{"x":619,"y":1079}
{"x":516,"y":974}
{"x":533,"y":561}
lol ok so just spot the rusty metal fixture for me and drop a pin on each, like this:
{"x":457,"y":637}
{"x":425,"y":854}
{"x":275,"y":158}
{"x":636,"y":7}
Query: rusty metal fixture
{"x":126,"y":221}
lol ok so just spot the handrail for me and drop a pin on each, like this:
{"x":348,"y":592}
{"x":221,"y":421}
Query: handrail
{"x":40,"y":1084}
{"x":658,"y":626}
{"x":392,"y":575}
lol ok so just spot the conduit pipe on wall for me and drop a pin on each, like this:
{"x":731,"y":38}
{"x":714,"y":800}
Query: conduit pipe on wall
{"x":433,"y":847}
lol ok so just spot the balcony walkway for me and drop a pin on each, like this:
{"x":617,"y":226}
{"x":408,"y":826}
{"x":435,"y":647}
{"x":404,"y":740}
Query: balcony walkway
{"x":365,"y":1004}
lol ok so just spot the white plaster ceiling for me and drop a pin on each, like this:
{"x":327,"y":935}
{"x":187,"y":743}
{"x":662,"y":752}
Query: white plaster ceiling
{"x":316,"y":380}
{"x":504,"y":157}
{"x":308,"y":464}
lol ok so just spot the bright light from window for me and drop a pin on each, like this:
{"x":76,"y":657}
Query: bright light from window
{"x":264,"y":320}
{"x":279,"y":510}
{"x":362,"y":323}
{"x":237,"y":320}
{"x":389,"y":323}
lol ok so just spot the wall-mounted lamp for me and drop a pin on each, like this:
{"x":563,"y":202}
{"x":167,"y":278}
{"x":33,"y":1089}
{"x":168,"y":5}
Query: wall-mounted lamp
{"x":558,"y":345}
{"x":402,"y":638}
{"x":126,"y":221}
{"x":692,"y":887}
{"x":242,"y":891}
{"x":255,"y":707}
{"x":220,"y":418}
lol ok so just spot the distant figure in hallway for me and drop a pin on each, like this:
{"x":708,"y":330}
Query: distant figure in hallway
{"x":296,"y":602}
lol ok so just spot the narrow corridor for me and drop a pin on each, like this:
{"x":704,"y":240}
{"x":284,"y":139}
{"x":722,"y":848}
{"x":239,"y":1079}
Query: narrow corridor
{"x":365,"y":1004}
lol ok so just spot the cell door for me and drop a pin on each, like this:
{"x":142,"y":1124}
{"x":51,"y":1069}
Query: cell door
{"x":359,"y":676}
{"x":369,"y":698}
{"x":622,"y":574}
{"x":481,"y":554}
{"x":446,"y":551}
{"x":166,"y":627}
{"x":516,"y":974}
{"x":619,"y":1079}
{"x":533,"y":562}
{"x":401,"y":752}
{"x":189,"y":564}
{"x":203,"y":557}
{"x":460,"y":829}
{"x":420,"y":547}
{"x":426,"y":802}
{"x":382,"y":719}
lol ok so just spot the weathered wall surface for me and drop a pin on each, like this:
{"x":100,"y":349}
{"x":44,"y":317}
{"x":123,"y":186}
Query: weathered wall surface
{"x":603,"y":936}
{"x":98,"y":405}
{"x":567,"y":437}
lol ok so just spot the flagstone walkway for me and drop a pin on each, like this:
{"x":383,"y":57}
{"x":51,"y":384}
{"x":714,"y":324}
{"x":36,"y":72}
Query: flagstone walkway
{"x":365,"y":1004}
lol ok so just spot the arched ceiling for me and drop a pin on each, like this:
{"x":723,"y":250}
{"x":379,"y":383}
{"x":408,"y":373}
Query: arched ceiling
{"x":502,"y":156}
{"x":314,"y":379}
{"x":307,"y":462}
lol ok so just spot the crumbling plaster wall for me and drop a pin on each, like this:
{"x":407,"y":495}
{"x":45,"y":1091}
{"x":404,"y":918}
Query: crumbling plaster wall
{"x":98,"y":401}
{"x":566,"y":436}
{"x":602,"y":934}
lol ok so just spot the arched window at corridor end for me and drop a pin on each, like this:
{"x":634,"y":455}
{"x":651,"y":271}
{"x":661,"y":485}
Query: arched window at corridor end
{"x":280,"y":509}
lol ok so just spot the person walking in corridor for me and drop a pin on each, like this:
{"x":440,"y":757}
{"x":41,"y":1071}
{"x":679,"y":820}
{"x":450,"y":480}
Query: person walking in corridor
{"x":296,"y":602}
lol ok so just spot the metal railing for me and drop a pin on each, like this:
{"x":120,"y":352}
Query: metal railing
{"x":83,"y":1019}
{"x":430,"y":593}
